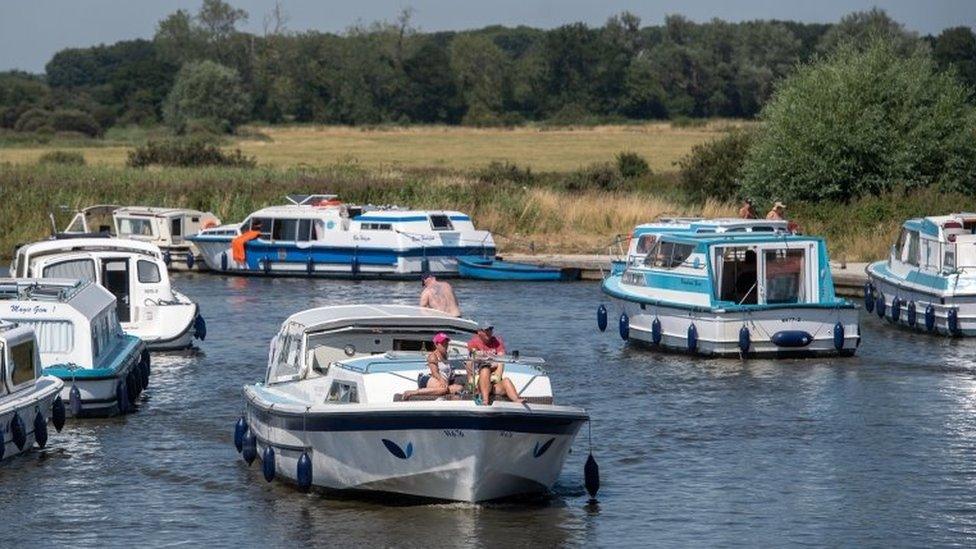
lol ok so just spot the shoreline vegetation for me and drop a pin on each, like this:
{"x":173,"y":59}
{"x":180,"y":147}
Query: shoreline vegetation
{"x":577,"y":208}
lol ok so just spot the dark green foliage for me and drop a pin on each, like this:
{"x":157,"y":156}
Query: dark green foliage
{"x":68,"y":158}
{"x":714,"y":169}
{"x":186,"y":153}
{"x":73,"y":120}
{"x":602,"y":176}
{"x":34,"y":119}
{"x":956,"y":49}
{"x":631,"y":165}
{"x":504,"y":172}
{"x":206,"y":91}
{"x":861,"y":122}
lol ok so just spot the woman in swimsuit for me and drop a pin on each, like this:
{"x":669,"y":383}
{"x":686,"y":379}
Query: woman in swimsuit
{"x":439,"y":383}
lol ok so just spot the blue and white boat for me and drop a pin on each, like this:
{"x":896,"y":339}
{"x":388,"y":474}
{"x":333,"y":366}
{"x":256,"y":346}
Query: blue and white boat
{"x":80,"y":341}
{"x":28,"y":399}
{"x":750,"y":293}
{"x":316,"y":235}
{"x":330,"y":414}
{"x":493,"y":268}
{"x":928,"y":282}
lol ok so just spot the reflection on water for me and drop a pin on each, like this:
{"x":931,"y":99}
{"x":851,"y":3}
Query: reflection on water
{"x":869,"y":450}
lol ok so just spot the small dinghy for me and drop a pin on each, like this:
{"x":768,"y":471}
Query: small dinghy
{"x":136,"y":274}
{"x":28,"y":400}
{"x":487,"y":268}
{"x":80,"y":341}
{"x":330,"y":412}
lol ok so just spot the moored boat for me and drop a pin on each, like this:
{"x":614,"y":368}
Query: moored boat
{"x":134,"y":272}
{"x":80,"y":341}
{"x":28,"y":399}
{"x":928,"y":282}
{"x":330,"y":414}
{"x":733,"y":294}
{"x":167,"y":228}
{"x":488,"y":268}
{"x":317,"y":235}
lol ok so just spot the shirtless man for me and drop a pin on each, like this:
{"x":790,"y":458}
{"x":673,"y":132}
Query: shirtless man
{"x":438,"y":295}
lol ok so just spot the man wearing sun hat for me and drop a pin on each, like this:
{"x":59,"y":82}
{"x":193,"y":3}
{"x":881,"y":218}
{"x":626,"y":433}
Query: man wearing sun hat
{"x":483,"y":347}
{"x":778,"y":212}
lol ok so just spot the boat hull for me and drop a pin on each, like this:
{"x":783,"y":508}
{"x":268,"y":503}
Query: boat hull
{"x":333,"y":262}
{"x":178,"y":259}
{"x":887,"y":287}
{"x":481,"y":268}
{"x":781,"y":332}
{"x":171,"y":327}
{"x":98,"y":389}
{"x":27,"y":404}
{"x":448,"y":455}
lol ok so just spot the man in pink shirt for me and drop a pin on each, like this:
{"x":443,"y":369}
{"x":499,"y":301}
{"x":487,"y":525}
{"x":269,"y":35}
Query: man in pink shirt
{"x":483,"y":346}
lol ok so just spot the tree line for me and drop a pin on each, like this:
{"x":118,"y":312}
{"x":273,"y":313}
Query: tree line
{"x":200,"y":69}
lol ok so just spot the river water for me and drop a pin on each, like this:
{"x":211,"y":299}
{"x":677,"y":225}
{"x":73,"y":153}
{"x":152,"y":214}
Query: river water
{"x":873,"y":450}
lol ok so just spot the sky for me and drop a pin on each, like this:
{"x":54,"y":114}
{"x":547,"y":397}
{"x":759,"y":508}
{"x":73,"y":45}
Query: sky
{"x":31,"y":31}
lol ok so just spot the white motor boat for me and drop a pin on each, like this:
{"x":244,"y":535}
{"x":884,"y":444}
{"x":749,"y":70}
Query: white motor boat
{"x":317,"y":235}
{"x":330,"y":413}
{"x":164,"y":227}
{"x":135,"y":273}
{"x":80,"y":341}
{"x":28,"y":399}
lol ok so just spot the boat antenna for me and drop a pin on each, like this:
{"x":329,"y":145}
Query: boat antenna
{"x":54,"y":225}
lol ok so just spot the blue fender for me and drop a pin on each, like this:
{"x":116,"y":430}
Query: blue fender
{"x":190,"y":260}
{"x":911,"y":315}
{"x":268,"y":463}
{"x":656,"y":332}
{"x":623,"y":326}
{"x":952,"y":320}
{"x":792,"y":338}
{"x":40,"y":429}
{"x":895,"y":309}
{"x":744,"y":339}
{"x":309,"y":266}
{"x":304,"y":475}
{"x":200,"y":327}
{"x":18,"y":431}
{"x":223,"y":261}
{"x":880,"y":305}
{"x":249,"y":448}
{"x":839,"y":336}
{"x":692,"y":338}
{"x":74,"y":400}
{"x":601,"y":318}
{"x":930,"y":318}
{"x":868,"y":297}
{"x":239,"y":429}
{"x":58,"y":413}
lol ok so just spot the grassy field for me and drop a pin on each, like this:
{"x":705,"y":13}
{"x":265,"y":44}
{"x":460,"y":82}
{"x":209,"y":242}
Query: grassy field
{"x":453,"y":148}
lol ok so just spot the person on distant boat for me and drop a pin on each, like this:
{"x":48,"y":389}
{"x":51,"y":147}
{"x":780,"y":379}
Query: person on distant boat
{"x":438,"y":295}
{"x":778,"y":213}
{"x":439,"y":382}
{"x":748,"y":210}
{"x":488,"y":375}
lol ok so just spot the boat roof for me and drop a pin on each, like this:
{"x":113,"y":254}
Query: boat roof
{"x":155,"y":211}
{"x":723,"y":223}
{"x":99,"y":209}
{"x":309,"y":199}
{"x":392,"y":215}
{"x":89,"y":244}
{"x":744,"y":238}
{"x":87,"y":297}
{"x":932,"y":224}
{"x":323,"y":318}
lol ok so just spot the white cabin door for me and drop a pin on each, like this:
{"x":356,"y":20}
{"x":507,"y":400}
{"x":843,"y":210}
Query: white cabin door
{"x":115,"y":278}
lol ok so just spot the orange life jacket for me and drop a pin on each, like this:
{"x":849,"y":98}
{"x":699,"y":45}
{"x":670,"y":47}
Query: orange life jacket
{"x":237,"y":245}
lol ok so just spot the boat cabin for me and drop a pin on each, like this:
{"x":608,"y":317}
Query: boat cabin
{"x":20,"y":361}
{"x":732,"y":270}
{"x":937,"y":244}
{"x":644,"y":236}
{"x":161,"y":226}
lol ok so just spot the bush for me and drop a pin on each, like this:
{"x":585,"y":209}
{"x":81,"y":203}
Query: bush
{"x":631,"y":165}
{"x":206,"y":91}
{"x":714,"y":169}
{"x":505,"y":172}
{"x":67,"y":158}
{"x":33,"y":120}
{"x":186,"y":153}
{"x":72,"y":120}
{"x":603,"y":176}
{"x":861,"y":122}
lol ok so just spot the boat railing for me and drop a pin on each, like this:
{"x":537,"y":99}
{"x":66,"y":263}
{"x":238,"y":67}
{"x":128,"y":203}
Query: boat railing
{"x":397,"y":359}
{"x":31,"y":290}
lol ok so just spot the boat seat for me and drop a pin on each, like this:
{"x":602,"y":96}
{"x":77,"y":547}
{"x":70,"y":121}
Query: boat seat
{"x":398,"y":397}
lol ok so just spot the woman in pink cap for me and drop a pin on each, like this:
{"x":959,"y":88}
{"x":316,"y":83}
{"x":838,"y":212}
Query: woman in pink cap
{"x":440,"y":371}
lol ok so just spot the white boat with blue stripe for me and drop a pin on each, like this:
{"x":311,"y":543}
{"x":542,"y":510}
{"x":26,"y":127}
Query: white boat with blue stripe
{"x":928,"y":282}
{"x":28,"y":399}
{"x":80,"y":341}
{"x":317,"y":235}
{"x":731,"y":293}
{"x":330,"y":414}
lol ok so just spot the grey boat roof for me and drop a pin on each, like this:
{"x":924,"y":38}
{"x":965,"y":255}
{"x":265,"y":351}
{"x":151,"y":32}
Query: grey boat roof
{"x":323,"y":318}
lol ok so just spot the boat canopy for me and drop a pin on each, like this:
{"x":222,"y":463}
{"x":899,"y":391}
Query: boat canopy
{"x":330,"y":318}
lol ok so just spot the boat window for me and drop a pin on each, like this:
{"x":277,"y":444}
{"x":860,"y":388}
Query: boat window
{"x":412,"y":345}
{"x":668,"y":255}
{"x":22,"y":364}
{"x":441,"y":222}
{"x":53,"y":336}
{"x":135,"y":226}
{"x":784,"y":276}
{"x":736,"y":271}
{"x":148,"y":272}
{"x":342,"y":392}
{"x":762,"y":229}
{"x":262,"y":225}
{"x":949,"y":260}
{"x":305,"y":230}
{"x":645,"y":242}
{"x":285,"y":229}
{"x":376,"y":226}
{"x":285,"y":358}
{"x":176,"y":226}
{"x":81,"y":269}
{"x":909,"y":249}
{"x":77,"y":224}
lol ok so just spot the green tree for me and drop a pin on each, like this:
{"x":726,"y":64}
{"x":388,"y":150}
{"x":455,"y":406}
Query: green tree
{"x":861,"y":122}
{"x":861,"y":28}
{"x":956,"y":48}
{"x":206,"y":91}
{"x":480,"y":69}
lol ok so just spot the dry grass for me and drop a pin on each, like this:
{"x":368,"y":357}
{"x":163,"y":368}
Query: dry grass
{"x":542,"y":149}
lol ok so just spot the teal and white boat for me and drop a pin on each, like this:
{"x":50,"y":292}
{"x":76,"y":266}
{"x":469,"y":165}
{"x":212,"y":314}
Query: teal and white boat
{"x":928,"y":282}
{"x":80,"y":341}
{"x":732,"y":293}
